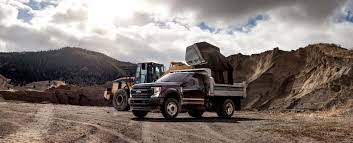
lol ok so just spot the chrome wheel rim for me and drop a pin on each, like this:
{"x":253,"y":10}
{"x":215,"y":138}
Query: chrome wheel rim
{"x":229,"y":108}
{"x":172,"y":108}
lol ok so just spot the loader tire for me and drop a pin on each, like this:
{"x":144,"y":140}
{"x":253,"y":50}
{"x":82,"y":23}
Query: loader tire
{"x":120,"y":100}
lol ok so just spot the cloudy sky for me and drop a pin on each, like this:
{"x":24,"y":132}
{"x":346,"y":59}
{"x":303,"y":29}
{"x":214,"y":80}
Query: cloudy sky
{"x":159,"y":30}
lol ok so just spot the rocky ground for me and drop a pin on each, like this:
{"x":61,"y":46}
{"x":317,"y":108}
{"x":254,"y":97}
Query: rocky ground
{"x":29,"y":122}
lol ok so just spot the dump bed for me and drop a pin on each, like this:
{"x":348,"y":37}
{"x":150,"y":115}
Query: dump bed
{"x":238,"y":89}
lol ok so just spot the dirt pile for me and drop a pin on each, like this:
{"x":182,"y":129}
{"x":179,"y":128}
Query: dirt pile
{"x":44,"y":85}
{"x":64,"y":94}
{"x":316,"y":77}
{"x":4,"y":82}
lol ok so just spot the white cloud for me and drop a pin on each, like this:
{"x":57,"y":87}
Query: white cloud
{"x":149,"y":30}
{"x":8,"y":14}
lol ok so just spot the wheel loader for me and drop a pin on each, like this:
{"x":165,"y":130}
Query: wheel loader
{"x":148,"y":72}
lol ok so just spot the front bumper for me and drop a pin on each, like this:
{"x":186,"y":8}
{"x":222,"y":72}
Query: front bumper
{"x":146,"y":104}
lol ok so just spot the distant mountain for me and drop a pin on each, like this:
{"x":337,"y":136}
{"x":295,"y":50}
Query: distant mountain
{"x":72,"y":65}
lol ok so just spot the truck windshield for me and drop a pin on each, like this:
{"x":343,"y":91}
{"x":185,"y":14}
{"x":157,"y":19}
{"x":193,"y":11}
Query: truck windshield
{"x":174,"y":77}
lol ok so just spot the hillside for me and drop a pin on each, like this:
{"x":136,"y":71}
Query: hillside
{"x":316,"y":77}
{"x":72,"y":65}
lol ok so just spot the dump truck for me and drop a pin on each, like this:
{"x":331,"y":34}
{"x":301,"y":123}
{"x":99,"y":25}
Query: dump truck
{"x":208,"y":86}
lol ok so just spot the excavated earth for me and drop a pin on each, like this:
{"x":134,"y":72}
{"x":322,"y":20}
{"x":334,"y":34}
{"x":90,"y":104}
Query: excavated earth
{"x":317,"y":77}
{"x":66,"y":94}
{"x":32,"y":122}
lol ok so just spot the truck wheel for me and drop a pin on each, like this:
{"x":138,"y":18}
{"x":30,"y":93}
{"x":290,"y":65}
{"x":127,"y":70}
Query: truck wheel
{"x":120,"y":100}
{"x":139,"y":114}
{"x":226,"y":110}
{"x":196,"y":113}
{"x":170,"y":108}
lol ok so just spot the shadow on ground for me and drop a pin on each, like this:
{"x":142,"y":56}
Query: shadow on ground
{"x":204,"y":119}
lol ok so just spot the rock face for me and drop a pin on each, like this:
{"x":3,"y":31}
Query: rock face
{"x":317,"y":77}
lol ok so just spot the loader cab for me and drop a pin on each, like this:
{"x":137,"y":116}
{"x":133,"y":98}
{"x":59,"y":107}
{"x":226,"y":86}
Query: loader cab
{"x":148,"y":72}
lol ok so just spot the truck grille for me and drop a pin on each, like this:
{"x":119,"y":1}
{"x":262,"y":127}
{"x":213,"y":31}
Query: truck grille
{"x":142,"y":93}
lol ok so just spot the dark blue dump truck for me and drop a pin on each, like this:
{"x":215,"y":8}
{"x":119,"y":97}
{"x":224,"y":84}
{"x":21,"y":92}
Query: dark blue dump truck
{"x":206,"y":87}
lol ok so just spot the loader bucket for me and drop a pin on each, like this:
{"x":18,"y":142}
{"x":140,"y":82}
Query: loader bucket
{"x":205,"y":55}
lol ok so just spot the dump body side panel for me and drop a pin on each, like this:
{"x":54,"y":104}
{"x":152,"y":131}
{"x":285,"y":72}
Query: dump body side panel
{"x":238,"y":89}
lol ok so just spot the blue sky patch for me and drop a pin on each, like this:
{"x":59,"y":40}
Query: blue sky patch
{"x":346,"y":16}
{"x":39,"y":5}
{"x":251,"y":23}
{"x":349,"y":16}
{"x":204,"y":26}
{"x":24,"y":15}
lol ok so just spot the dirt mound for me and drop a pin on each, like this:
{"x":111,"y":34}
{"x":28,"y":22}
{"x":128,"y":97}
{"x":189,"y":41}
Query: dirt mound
{"x":3,"y":82}
{"x":86,"y":96}
{"x":44,"y":85}
{"x":316,"y":77}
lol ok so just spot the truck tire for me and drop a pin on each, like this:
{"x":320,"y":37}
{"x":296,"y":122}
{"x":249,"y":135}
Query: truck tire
{"x":120,"y":100}
{"x":140,"y":114}
{"x":196,"y":113}
{"x":226,"y":109}
{"x":170,"y":108}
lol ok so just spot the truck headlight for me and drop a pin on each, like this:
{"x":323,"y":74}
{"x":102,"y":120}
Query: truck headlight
{"x":156,"y":91}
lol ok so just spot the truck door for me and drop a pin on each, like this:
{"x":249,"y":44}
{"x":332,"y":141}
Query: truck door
{"x":194,"y":90}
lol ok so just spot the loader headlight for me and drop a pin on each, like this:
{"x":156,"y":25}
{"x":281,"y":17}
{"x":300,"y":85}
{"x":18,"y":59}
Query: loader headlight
{"x":130,"y":93}
{"x":156,"y":91}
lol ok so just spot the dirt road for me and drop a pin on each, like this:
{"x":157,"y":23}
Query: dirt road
{"x":27,"y":122}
